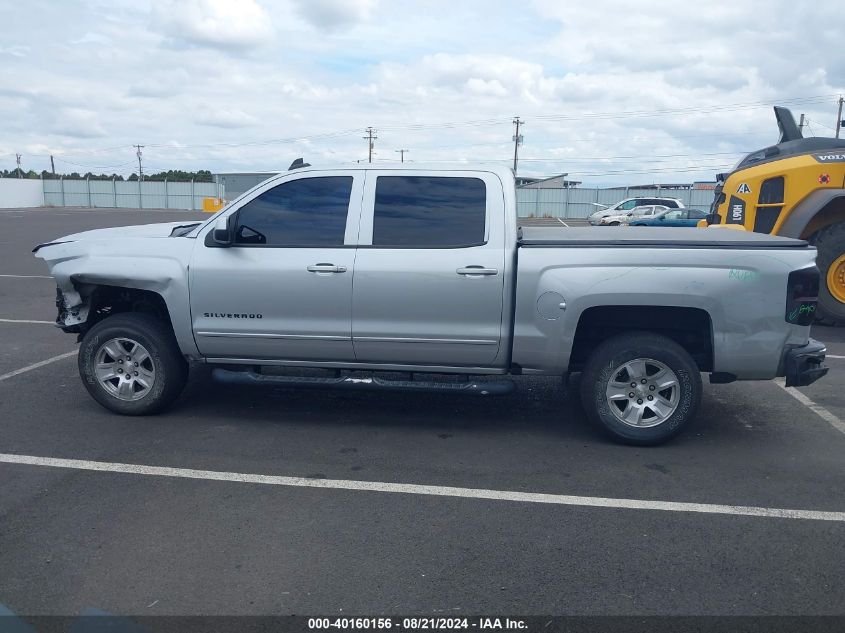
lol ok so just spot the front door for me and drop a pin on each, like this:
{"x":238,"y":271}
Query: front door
{"x":430,"y":268}
{"x":283,"y":289}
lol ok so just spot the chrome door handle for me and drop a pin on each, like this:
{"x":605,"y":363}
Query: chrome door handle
{"x":326,"y":268}
{"x":477,"y":270}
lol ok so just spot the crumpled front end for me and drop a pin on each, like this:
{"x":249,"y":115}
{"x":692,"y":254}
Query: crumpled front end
{"x":107,"y":271}
{"x":72,"y":310}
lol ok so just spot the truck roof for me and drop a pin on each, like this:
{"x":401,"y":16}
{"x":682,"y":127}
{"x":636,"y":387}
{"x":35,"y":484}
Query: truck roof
{"x":500,"y":170}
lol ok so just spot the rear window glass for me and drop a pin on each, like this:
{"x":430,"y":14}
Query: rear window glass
{"x":429,"y":211}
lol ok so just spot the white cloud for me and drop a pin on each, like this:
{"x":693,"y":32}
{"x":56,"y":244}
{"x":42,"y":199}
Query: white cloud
{"x":93,"y":38}
{"x":15,"y":51}
{"x":78,"y":123}
{"x":331,"y":14}
{"x":235,"y":24}
{"x":194,"y":79}
{"x":225,"y":118}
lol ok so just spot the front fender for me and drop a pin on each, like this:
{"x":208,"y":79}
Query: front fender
{"x":79,"y":267}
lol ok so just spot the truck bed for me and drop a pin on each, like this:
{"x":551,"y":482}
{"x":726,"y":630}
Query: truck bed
{"x":650,"y":237}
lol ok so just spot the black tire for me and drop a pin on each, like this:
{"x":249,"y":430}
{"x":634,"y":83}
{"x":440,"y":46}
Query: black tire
{"x":170,"y":367}
{"x":603,"y":365}
{"x":830,"y":243}
{"x":613,"y":224}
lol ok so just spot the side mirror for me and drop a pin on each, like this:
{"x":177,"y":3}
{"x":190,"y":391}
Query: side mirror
{"x":221,"y":234}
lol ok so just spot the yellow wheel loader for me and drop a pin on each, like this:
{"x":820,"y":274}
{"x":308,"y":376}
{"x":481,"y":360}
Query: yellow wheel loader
{"x":795,"y":188}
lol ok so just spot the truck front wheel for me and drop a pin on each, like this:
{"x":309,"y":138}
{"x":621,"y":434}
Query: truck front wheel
{"x":641,"y":388}
{"x":130,"y":363}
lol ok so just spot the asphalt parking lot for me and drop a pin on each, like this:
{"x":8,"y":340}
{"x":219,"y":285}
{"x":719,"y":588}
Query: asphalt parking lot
{"x":143,"y":543}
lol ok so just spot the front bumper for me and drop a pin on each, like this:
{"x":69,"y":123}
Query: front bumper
{"x":805,"y":365}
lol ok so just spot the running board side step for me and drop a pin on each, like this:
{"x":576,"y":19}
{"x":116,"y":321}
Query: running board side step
{"x":486,"y":388}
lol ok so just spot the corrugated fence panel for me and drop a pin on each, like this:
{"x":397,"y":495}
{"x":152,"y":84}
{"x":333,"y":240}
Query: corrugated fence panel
{"x":581,"y":202}
{"x":149,"y":194}
{"x":52,"y":193}
{"x":154,"y":194}
{"x":128,"y":194}
{"x":179,"y":195}
{"x":204,"y":190}
{"x":102,"y":193}
{"x":76,"y":193}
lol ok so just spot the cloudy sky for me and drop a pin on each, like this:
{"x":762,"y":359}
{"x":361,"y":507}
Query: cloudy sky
{"x":611,"y":92}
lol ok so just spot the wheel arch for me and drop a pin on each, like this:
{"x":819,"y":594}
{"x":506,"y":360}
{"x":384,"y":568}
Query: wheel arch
{"x":104,"y":300}
{"x":691,"y":328}
{"x":817,"y":211}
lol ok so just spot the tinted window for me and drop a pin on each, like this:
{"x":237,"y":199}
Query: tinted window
{"x":672,"y":204}
{"x":695,"y":214}
{"x":674,"y":215}
{"x":429,"y":211}
{"x":305,"y":212}
{"x":772,"y":191}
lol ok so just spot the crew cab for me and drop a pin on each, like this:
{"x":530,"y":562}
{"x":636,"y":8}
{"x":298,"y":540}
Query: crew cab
{"x":424,"y":270}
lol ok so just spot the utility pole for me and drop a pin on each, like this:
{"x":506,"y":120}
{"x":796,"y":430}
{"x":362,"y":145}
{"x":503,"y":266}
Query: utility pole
{"x":839,"y":117}
{"x":402,"y":153}
{"x":18,"y":157}
{"x":517,"y":141}
{"x":801,"y":125}
{"x":138,"y":149}
{"x":52,"y":165}
{"x":370,"y":137}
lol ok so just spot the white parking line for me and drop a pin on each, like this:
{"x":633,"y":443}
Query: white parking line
{"x":23,"y":370}
{"x":26,"y":321}
{"x":562,"y":222}
{"x":28,"y":276}
{"x":833,"y":356}
{"x":819,"y":410}
{"x":415,"y":489}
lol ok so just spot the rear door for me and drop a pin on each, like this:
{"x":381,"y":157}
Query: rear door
{"x":429,"y":273}
{"x":283,"y":289}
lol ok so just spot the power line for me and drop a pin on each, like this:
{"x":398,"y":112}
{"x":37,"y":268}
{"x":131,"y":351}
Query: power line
{"x":70,"y":162}
{"x":402,"y":153}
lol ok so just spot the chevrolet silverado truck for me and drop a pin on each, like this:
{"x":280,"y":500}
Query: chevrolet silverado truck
{"x":416,"y":273}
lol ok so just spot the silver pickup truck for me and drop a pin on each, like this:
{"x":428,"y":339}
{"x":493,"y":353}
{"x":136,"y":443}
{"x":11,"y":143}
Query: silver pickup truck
{"x":422,"y":273}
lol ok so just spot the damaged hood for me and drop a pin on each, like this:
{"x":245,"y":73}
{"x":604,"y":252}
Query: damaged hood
{"x":163,"y":229}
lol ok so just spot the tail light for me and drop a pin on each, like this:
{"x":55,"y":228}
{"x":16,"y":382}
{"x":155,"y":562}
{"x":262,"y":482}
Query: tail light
{"x":802,"y":295}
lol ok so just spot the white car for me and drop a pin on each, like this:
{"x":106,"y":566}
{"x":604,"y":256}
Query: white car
{"x":645,"y":211}
{"x":628,"y":204}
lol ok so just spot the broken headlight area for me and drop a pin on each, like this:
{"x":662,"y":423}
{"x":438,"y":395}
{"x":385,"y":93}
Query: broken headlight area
{"x":70,"y":316}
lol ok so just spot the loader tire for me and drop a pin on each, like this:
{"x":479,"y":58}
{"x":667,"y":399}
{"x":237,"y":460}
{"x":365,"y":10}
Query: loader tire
{"x":830,"y":242}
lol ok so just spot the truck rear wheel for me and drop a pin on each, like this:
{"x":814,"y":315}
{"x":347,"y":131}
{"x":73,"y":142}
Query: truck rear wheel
{"x":130,"y":364}
{"x":830,"y":243}
{"x":641,"y":388}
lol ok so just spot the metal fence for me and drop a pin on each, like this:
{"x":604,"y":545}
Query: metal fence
{"x":147,"y":194}
{"x":576,"y":202}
